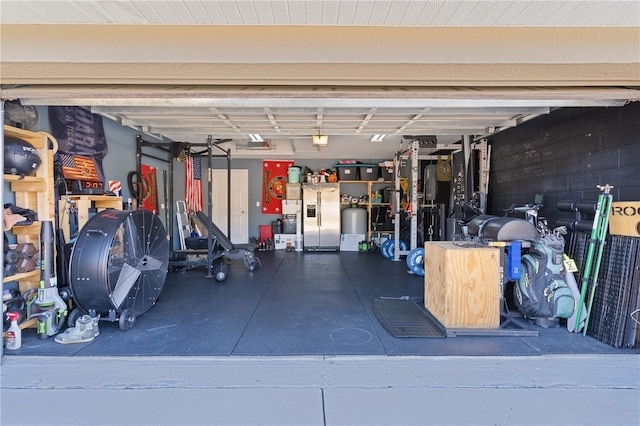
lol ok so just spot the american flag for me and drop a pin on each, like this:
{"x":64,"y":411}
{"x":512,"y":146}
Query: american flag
{"x":193,"y":190}
{"x":75,"y":167}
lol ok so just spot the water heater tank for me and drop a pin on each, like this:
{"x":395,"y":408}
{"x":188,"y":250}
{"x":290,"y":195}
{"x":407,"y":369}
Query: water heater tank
{"x":354,"y":221}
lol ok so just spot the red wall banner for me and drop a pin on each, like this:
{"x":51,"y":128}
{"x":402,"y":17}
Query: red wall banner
{"x":274,"y":185}
{"x":150,"y":194}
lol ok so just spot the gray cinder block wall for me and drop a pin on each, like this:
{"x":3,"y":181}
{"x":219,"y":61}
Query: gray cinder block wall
{"x":564,"y":156}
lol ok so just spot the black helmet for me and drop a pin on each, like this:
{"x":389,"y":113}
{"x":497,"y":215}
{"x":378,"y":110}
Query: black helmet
{"x":20,"y":157}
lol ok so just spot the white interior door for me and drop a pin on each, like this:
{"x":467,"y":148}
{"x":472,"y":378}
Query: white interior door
{"x":239,"y":203}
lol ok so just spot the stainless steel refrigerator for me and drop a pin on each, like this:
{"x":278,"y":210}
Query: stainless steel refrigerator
{"x":321,"y":211}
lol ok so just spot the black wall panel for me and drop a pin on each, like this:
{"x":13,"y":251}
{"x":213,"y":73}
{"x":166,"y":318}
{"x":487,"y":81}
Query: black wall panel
{"x":564,"y":155}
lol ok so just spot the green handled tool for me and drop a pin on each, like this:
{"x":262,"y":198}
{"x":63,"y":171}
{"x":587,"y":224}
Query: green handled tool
{"x":596,"y":241}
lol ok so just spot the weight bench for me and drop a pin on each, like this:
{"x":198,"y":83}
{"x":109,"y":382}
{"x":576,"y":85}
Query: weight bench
{"x":231,"y":251}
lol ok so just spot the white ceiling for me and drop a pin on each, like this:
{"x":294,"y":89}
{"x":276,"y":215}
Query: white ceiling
{"x":408,"y":13}
{"x":287,"y":116}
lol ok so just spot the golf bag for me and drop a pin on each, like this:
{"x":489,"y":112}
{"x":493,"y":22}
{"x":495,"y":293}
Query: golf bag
{"x":542,"y":292}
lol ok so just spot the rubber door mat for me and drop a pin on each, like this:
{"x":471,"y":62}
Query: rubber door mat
{"x":405,"y":318}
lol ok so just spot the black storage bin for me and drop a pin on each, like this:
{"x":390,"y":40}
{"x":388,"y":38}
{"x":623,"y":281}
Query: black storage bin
{"x":347,"y":171}
{"x":368,"y":171}
{"x":386,"y":174}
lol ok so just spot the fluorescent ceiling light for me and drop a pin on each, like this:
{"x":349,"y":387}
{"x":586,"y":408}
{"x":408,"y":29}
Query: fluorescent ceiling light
{"x":378,"y":138}
{"x":255,"y":137}
{"x":255,"y":146}
{"x":320,"y":140}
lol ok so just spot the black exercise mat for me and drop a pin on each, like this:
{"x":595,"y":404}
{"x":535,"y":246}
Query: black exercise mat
{"x":405,"y":318}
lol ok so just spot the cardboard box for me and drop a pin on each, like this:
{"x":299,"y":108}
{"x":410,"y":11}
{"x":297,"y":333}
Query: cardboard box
{"x":349,"y":242}
{"x":624,"y":218}
{"x":462,"y":284}
{"x":282,"y":241}
{"x":294,"y":191}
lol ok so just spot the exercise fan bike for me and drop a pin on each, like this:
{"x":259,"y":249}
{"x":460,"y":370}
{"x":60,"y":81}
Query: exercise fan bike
{"x":118,"y":266}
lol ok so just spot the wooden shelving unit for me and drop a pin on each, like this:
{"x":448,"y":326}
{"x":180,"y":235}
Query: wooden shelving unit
{"x":35,"y":193}
{"x":83,"y":203}
{"x":367,"y":187}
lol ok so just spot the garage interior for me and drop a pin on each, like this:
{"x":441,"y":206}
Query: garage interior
{"x":551,"y":88}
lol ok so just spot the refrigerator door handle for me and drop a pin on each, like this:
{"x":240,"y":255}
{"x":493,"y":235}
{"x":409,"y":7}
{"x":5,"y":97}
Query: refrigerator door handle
{"x":319,"y":210}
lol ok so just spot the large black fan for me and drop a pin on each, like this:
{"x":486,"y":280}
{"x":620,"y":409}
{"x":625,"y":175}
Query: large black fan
{"x":118,"y":265}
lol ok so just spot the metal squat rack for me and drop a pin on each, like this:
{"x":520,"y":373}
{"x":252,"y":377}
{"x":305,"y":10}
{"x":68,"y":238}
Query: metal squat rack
{"x":416,"y":152}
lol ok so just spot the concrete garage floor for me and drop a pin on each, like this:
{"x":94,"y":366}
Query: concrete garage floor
{"x":296,"y":342}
